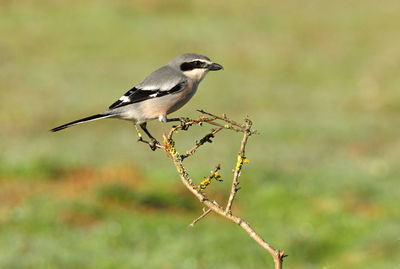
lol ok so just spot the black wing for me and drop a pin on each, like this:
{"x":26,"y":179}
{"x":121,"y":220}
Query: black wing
{"x":136,"y":95}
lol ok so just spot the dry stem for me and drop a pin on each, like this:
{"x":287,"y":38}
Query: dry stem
{"x":199,"y":190}
{"x":205,"y":213}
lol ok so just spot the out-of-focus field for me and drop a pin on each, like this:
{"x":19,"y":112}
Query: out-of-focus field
{"x":320,"y":79}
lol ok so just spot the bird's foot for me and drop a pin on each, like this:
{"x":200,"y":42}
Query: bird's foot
{"x":153,"y":144}
{"x":184,"y":125}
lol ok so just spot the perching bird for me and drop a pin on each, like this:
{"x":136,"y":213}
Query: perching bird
{"x":162,"y":92}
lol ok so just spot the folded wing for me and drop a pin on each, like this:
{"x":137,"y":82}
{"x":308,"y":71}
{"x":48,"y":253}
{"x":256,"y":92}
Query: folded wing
{"x":161,"y":82}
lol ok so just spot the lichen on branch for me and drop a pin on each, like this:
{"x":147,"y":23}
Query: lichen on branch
{"x":199,"y":190}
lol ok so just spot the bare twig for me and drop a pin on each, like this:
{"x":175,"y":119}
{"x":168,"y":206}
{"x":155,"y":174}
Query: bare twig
{"x":241,"y":159}
{"x":206,"y":138}
{"x":224,"y":118}
{"x":199,"y":190}
{"x":205,"y":213}
{"x":214,"y":174}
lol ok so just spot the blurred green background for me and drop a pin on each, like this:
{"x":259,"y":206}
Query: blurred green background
{"x":320,"y":79}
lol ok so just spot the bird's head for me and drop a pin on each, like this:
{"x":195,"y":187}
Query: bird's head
{"x":194,"y":66}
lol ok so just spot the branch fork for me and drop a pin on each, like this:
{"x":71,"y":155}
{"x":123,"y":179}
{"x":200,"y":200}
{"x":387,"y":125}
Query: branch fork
{"x":221,"y":123}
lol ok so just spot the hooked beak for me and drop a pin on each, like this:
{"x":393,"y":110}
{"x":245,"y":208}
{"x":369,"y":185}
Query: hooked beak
{"x":214,"y":67}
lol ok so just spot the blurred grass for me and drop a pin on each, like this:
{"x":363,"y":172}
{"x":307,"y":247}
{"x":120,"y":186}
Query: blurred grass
{"x":320,"y":80}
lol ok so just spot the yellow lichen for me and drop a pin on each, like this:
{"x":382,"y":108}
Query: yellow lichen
{"x":217,"y":176}
{"x":240,"y":161}
{"x":205,"y":183}
{"x":181,"y":170}
{"x":169,"y":146}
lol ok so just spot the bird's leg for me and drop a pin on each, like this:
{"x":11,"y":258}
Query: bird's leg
{"x":153,"y":142}
{"x":138,"y":133}
{"x":182,"y":120}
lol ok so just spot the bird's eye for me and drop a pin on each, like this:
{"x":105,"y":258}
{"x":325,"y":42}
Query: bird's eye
{"x":198,"y":64}
{"x":192,"y":65}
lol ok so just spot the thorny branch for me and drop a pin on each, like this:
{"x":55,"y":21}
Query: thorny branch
{"x":206,"y":138}
{"x":223,"y":123}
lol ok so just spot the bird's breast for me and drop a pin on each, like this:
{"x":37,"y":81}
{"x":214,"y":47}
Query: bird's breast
{"x":182,"y":97}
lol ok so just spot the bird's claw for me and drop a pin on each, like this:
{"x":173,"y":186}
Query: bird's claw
{"x":184,"y":125}
{"x":153,"y":144}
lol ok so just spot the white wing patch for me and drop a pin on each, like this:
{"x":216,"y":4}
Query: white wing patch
{"x":125,"y":98}
{"x":153,"y":95}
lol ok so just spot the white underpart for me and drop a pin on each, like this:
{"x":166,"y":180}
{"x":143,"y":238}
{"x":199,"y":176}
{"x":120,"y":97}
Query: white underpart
{"x":162,"y":118}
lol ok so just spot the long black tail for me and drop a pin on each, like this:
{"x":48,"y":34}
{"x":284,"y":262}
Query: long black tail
{"x":87,"y":119}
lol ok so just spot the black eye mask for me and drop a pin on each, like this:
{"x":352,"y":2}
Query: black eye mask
{"x":193,"y":65}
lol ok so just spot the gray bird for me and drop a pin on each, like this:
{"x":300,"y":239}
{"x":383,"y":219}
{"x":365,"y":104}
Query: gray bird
{"x":162,"y":92}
